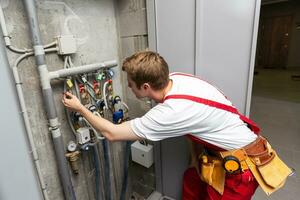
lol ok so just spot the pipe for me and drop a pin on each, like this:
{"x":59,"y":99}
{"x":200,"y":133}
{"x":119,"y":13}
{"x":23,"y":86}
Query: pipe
{"x":108,"y":194}
{"x":3,"y":27}
{"x":49,"y":101}
{"x":62,"y":73}
{"x":104,"y":94}
{"x":125,"y":170}
{"x":7,"y":37}
{"x":97,"y":174}
{"x":27,"y":123}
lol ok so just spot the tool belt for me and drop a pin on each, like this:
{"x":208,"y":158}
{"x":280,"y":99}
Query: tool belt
{"x":268,"y":169}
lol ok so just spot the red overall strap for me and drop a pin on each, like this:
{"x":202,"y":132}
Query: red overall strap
{"x":215,"y":104}
{"x":218,"y":105}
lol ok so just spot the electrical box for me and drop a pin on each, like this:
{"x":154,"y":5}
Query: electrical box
{"x":142,"y":154}
{"x":66,"y":44}
{"x":83,"y":135}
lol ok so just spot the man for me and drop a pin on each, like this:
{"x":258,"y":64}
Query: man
{"x":186,"y":105}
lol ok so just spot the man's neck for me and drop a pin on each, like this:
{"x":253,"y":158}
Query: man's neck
{"x":159,"y":95}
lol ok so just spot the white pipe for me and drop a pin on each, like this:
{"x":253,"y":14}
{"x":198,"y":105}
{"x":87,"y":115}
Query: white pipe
{"x":26,"y":120}
{"x":81,"y":69}
{"x":3,"y":26}
{"x":104,"y":94}
{"x":7,"y":37}
{"x":27,"y":124}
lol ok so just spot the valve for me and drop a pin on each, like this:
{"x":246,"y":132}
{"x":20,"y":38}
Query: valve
{"x":110,"y":73}
{"x":93,"y":108}
{"x":69,"y":83}
{"x":84,"y":95}
{"x":116,"y":100}
{"x":118,"y":116}
{"x":73,"y":156}
{"x":97,"y":90}
{"x":73,"y":160}
{"x":100,"y":104}
{"x":109,"y":86}
{"x":100,"y":76}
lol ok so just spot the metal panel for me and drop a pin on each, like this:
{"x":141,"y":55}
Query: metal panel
{"x":17,"y":174}
{"x":225,"y":47}
{"x":175,"y":33}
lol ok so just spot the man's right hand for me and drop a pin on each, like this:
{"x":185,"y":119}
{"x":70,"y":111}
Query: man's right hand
{"x":72,"y":102}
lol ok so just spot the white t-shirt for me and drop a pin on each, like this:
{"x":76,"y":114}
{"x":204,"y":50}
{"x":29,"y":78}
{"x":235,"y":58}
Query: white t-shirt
{"x":177,"y":117}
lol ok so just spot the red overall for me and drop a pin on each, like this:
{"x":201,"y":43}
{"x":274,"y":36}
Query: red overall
{"x":237,"y":186}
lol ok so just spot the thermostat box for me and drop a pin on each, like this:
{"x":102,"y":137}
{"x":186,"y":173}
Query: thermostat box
{"x":66,"y":44}
{"x":142,"y":154}
{"x":83,"y":135}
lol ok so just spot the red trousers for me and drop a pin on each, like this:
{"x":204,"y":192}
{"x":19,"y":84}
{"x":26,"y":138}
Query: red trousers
{"x":237,"y":187}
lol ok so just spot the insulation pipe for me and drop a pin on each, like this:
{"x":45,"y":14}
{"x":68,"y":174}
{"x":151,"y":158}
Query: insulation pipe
{"x":49,"y":101}
{"x":27,"y":123}
{"x":7,"y":37}
{"x":3,"y":27}
{"x":81,"y":69}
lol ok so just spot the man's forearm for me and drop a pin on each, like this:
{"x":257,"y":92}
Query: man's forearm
{"x":112,"y":132}
{"x":100,"y":124}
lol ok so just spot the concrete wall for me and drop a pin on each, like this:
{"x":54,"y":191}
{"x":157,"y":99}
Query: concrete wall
{"x":288,"y":8}
{"x":94,"y":25}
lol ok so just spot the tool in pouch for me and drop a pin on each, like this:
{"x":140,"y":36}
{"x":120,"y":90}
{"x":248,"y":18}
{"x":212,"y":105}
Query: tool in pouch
{"x":268,"y":169}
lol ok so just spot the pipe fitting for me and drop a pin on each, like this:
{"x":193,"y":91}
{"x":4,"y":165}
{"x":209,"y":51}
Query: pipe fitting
{"x":73,"y":160}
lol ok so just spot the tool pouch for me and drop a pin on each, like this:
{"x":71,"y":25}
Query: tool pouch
{"x":212,"y":172}
{"x":269,"y":170}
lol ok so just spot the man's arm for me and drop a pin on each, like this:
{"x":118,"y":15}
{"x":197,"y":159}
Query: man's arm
{"x":112,"y":132}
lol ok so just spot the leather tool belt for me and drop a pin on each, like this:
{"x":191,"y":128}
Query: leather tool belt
{"x":268,"y":169}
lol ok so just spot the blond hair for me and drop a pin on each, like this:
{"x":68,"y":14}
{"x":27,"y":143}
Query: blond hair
{"x":147,"y":67}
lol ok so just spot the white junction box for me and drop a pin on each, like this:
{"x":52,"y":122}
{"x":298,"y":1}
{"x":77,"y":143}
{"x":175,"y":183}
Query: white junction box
{"x":83,"y":135}
{"x":66,"y":44}
{"x":142,"y":153}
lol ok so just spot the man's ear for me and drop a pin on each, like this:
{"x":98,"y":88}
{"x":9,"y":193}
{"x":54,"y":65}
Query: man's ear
{"x":146,"y":86}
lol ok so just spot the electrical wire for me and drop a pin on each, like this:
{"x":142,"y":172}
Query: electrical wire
{"x":7,"y":38}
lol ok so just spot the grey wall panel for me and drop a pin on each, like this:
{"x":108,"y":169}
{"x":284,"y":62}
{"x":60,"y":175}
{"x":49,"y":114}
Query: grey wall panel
{"x":224,"y":44}
{"x":175,"y":33}
{"x":17,"y":174}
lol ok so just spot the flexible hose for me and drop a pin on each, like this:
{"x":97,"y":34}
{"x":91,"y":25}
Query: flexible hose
{"x":97,"y":173}
{"x":125,"y":170}
{"x":107,"y":170}
{"x":104,"y":94}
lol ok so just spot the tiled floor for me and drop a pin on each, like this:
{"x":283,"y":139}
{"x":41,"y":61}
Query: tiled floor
{"x":276,"y":108}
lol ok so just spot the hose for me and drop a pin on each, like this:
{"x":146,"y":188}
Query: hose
{"x":107,"y":170}
{"x":125,"y":170}
{"x":97,"y":173}
{"x":104,"y":94}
